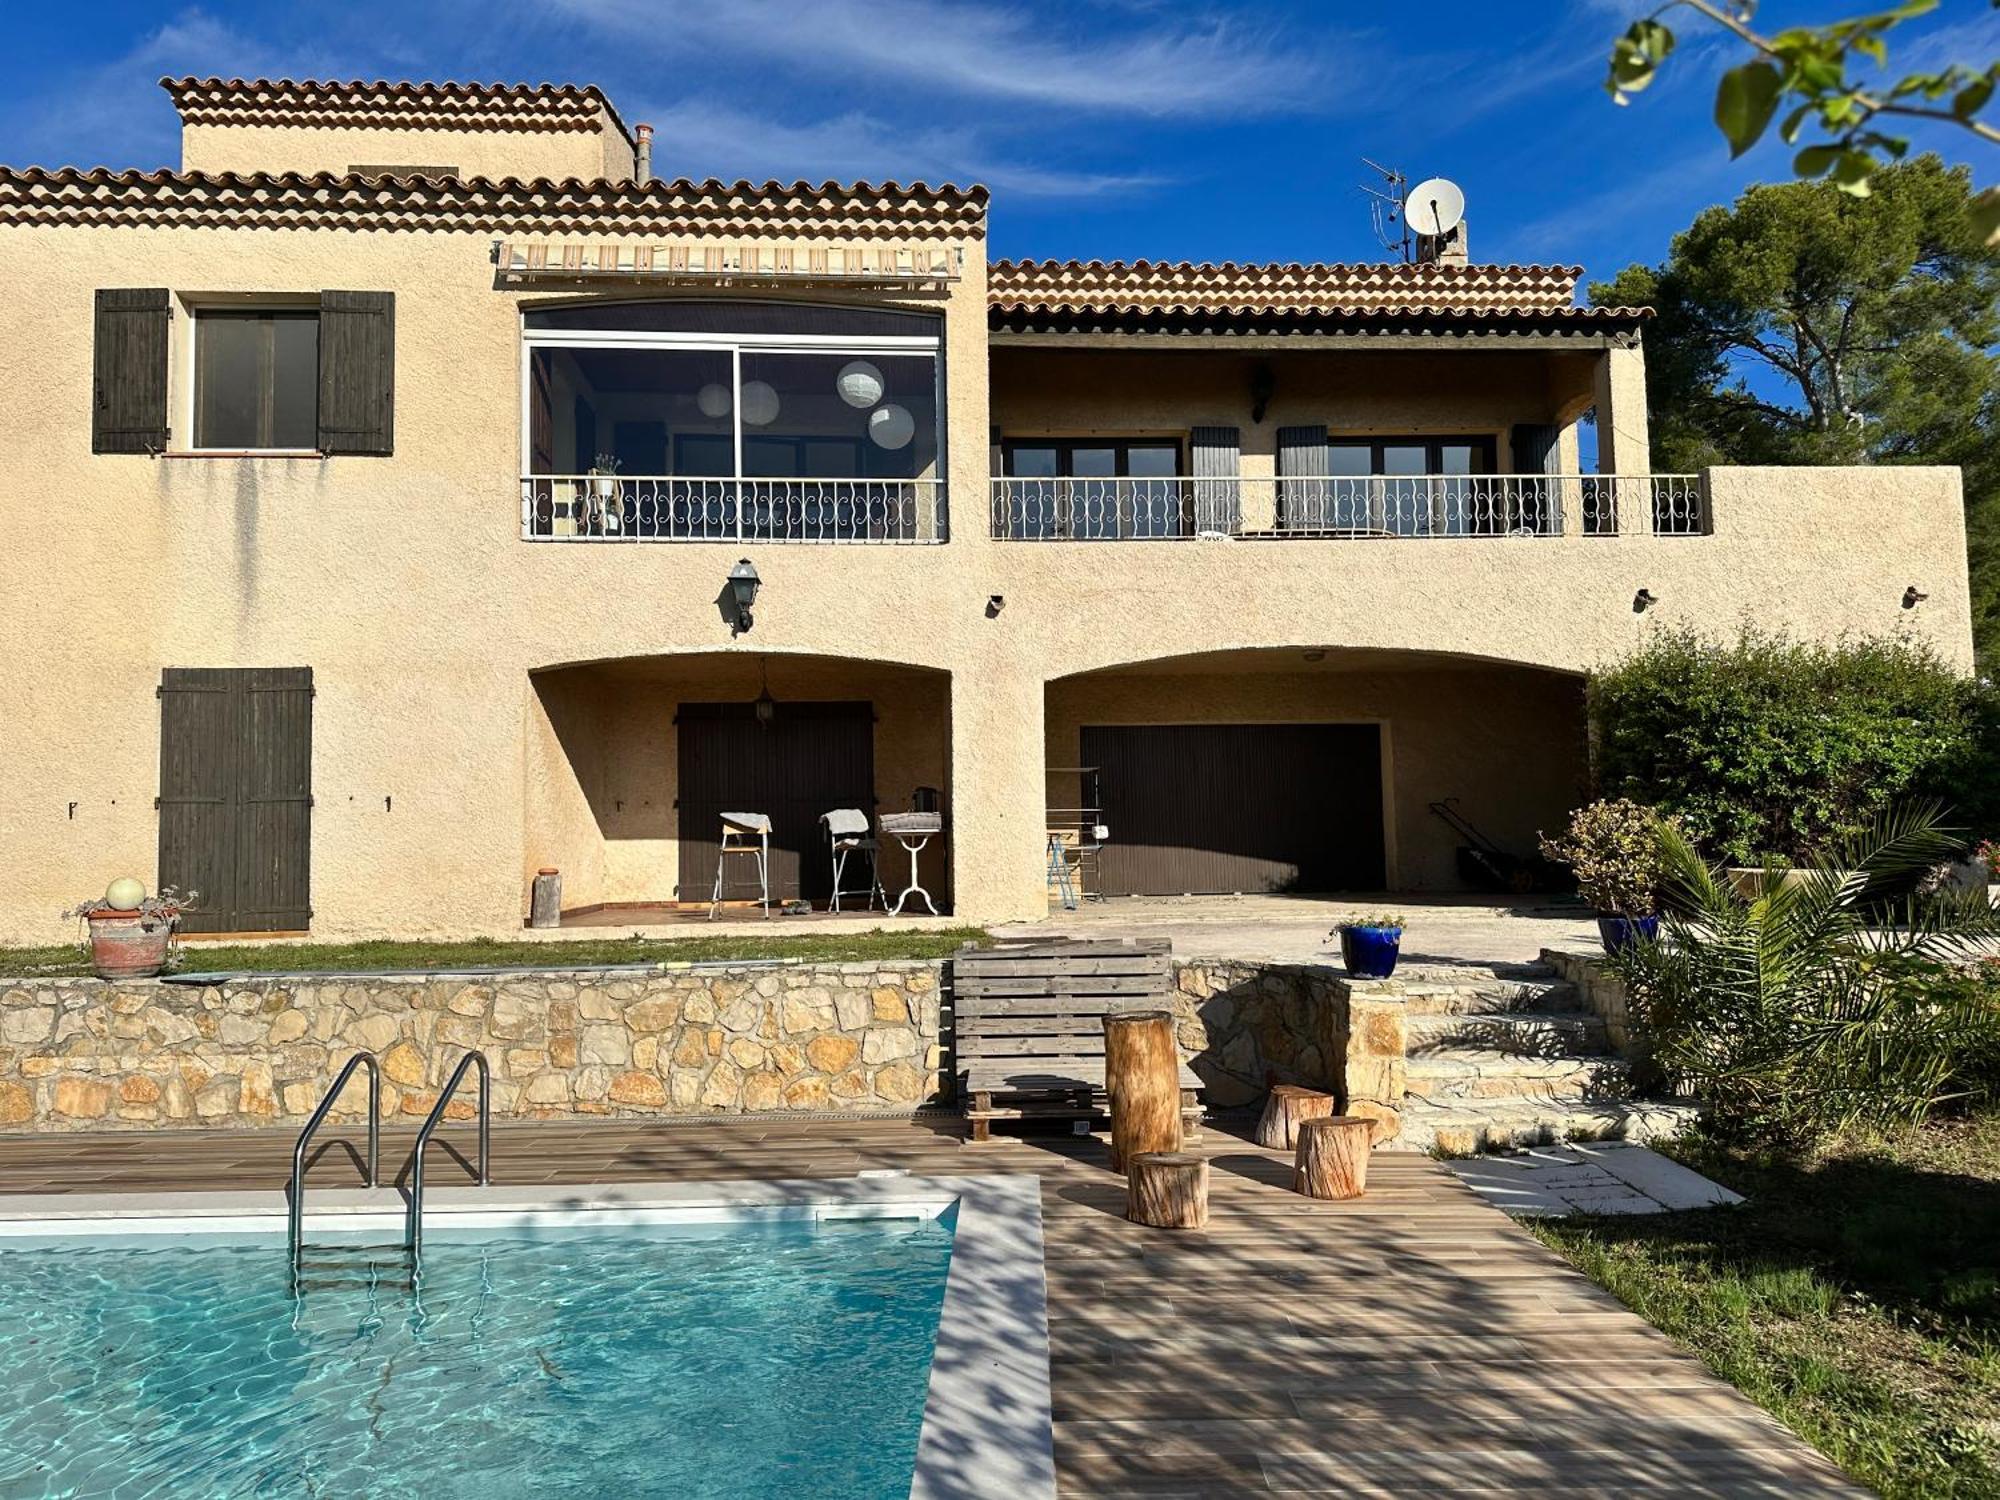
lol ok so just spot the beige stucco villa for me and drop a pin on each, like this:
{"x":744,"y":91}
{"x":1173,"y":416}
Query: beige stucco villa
{"x":374,"y":483}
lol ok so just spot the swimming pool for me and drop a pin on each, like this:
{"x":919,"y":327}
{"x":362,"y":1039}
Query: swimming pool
{"x":734,"y":1350}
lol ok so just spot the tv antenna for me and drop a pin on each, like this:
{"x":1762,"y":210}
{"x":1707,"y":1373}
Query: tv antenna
{"x":1385,"y":207}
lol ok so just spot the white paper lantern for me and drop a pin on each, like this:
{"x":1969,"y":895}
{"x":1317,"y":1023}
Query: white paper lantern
{"x":891,"y":426}
{"x":860,"y":384}
{"x":760,"y":403}
{"x":713,"y":399}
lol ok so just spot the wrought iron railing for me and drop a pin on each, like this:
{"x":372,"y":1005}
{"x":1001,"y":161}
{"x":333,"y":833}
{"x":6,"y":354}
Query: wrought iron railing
{"x":621,"y":508}
{"x":1430,"y":505}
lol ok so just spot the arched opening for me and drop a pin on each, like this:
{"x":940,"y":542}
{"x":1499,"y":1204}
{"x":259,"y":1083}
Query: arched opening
{"x":1306,"y":770}
{"x":631,"y":764}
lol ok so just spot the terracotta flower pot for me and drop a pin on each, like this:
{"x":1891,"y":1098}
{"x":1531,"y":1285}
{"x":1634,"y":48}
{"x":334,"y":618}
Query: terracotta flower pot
{"x":128,"y":944}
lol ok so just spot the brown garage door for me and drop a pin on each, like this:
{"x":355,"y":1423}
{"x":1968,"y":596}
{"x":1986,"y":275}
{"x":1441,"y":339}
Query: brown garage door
{"x":1239,"y":807}
{"x":810,"y":759}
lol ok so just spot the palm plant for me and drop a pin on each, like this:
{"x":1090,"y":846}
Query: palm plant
{"x":1827,"y":999}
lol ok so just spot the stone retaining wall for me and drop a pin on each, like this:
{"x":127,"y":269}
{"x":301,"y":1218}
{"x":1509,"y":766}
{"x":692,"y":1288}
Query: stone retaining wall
{"x":85,"y":1054}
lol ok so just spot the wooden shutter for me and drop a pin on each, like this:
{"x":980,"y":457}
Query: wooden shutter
{"x":1216,"y":453}
{"x":357,"y":372}
{"x":236,"y":795}
{"x":1537,"y":450}
{"x":128,"y":412}
{"x":1304,"y":497}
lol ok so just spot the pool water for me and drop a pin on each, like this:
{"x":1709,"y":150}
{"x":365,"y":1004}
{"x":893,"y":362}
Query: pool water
{"x":782,"y":1360}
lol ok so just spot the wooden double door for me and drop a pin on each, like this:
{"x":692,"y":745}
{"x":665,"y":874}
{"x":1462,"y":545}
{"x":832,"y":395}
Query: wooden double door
{"x":808,"y":760}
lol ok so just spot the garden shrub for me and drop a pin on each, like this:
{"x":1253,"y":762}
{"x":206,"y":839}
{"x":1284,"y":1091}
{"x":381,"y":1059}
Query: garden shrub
{"x":1813,"y":1006}
{"x":1766,"y":746}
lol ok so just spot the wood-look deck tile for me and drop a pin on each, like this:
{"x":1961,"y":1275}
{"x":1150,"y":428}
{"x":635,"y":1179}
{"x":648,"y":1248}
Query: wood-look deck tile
{"x":1414,"y":1342}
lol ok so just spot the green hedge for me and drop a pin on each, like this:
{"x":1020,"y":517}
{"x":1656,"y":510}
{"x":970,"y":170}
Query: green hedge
{"x":1766,"y":745}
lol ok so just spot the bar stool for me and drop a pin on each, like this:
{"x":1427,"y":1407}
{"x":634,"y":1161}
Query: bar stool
{"x":744,"y":833}
{"x":847,"y":833}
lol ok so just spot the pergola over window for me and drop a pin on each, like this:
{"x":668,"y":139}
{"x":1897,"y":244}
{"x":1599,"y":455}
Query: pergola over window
{"x":711,"y":420}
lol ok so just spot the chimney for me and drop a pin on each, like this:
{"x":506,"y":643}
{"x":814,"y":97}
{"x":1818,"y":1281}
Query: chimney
{"x":642,"y":153}
{"x":1447,"y":249}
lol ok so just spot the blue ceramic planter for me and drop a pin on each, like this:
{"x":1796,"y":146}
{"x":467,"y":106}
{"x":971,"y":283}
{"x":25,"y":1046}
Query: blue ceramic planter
{"x":1622,"y":932}
{"x":1371,"y":952}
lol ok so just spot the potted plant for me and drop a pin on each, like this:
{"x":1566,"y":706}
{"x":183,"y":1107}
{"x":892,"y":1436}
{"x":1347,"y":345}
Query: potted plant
{"x":129,"y":931}
{"x":1369,"y":945}
{"x":1613,"y":847}
{"x":607,"y":513}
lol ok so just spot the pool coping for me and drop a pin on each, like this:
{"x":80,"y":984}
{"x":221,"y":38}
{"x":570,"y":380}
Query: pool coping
{"x":987,"y":1429}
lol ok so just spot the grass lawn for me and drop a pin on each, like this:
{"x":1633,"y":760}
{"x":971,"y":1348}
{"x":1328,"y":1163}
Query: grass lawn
{"x":325,"y":957}
{"x":1856,"y":1296}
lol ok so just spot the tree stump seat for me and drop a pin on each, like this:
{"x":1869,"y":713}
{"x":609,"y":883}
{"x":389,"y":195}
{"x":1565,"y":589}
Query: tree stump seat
{"x":1333,"y":1157}
{"x":1286,"y":1107}
{"x":1167,"y":1190}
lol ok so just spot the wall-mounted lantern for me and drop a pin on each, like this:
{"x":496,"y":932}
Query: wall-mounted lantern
{"x":1644,"y":600}
{"x":765,"y":707}
{"x":1913,"y":596}
{"x":743,"y":586}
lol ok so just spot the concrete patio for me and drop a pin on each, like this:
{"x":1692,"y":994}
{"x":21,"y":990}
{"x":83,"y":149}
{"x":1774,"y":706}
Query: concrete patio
{"x":1440,"y":929}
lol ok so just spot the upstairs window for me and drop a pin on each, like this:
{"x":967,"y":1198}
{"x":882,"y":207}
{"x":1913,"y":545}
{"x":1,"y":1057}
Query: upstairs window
{"x":708,"y":420}
{"x":1095,"y":489}
{"x":256,"y":378}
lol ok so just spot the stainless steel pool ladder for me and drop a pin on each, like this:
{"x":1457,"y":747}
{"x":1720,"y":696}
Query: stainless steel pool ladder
{"x":296,"y":1224}
{"x":413,"y":1230}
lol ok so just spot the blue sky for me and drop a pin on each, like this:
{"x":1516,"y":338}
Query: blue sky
{"x":1124,"y":128}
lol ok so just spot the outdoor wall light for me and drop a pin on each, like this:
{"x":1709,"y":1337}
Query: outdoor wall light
{"x":765,"y":707}
{"x":1644,"y":600}
{"x":742,"y":593}
{"x":1913,"y":596}
{"x":994,"y":604}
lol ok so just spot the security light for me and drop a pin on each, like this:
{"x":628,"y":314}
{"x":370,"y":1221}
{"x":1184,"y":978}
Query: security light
{"x":1644,"y":600}
{"x":1913,"y":596}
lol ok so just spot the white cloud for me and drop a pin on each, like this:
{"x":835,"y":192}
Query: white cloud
{"x":700,"y":138}
{"x":1168,"y":67}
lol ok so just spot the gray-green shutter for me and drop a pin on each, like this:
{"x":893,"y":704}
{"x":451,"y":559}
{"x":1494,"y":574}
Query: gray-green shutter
{"x":1304,"y":496}
{"x":1537,"y":450}
{"x":236,"y":795}
{"x":128,"y":408}
{"x":357,"y":372}
{"x":1216,"y":453}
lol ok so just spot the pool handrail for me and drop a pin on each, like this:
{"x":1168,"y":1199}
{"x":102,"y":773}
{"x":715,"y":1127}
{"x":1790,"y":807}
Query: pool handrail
{"x":413,"y":1230}
{"x":296,"y":1224}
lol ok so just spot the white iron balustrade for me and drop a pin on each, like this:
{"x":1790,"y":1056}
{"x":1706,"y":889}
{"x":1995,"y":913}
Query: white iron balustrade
{"x":643,"y":508}
{"x":1428,"y":505}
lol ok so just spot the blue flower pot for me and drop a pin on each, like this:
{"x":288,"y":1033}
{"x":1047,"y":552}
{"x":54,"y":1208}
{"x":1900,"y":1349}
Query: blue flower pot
{"x":1371,"y":952}
{"x":1622,"y":932}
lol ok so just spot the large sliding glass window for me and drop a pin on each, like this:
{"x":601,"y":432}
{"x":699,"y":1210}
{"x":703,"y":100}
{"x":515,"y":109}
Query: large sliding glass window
{"x":1413,"y":486}
{"x":1096,"y":489}
{"x":712,"y":420}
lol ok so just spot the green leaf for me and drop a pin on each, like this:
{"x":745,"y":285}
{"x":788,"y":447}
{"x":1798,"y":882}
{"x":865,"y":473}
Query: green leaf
{"x":1851,"y":173}
{"x":1745,"y":102}
{"x":1789,"y":131}
{"x":1972,"y":98}
{"x":1986,"y":213}
{"x":1815,"y":160}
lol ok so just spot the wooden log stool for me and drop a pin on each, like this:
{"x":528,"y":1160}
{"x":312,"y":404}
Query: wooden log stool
{"x":1333,"y":1157}
{"x":1286,"y":1107}
{"x":1142,"y":1082}
{"x":1167,"y":1189}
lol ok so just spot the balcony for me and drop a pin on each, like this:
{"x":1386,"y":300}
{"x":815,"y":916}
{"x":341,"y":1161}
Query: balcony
{"x":1441,"y":506}
{"x":622,"y":508}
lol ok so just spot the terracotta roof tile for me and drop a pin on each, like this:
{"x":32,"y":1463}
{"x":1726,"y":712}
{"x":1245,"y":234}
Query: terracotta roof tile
{"x":1181,"y":287}
{"x":387,"y":104}
{"x":291,"y":200}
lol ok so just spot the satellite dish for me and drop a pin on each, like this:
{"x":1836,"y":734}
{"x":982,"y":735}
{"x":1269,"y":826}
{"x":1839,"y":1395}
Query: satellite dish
{"x":1434,"y":207}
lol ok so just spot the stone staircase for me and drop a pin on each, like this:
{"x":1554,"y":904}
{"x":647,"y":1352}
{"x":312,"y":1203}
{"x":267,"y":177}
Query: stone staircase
{"x":1505,"y":1055}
